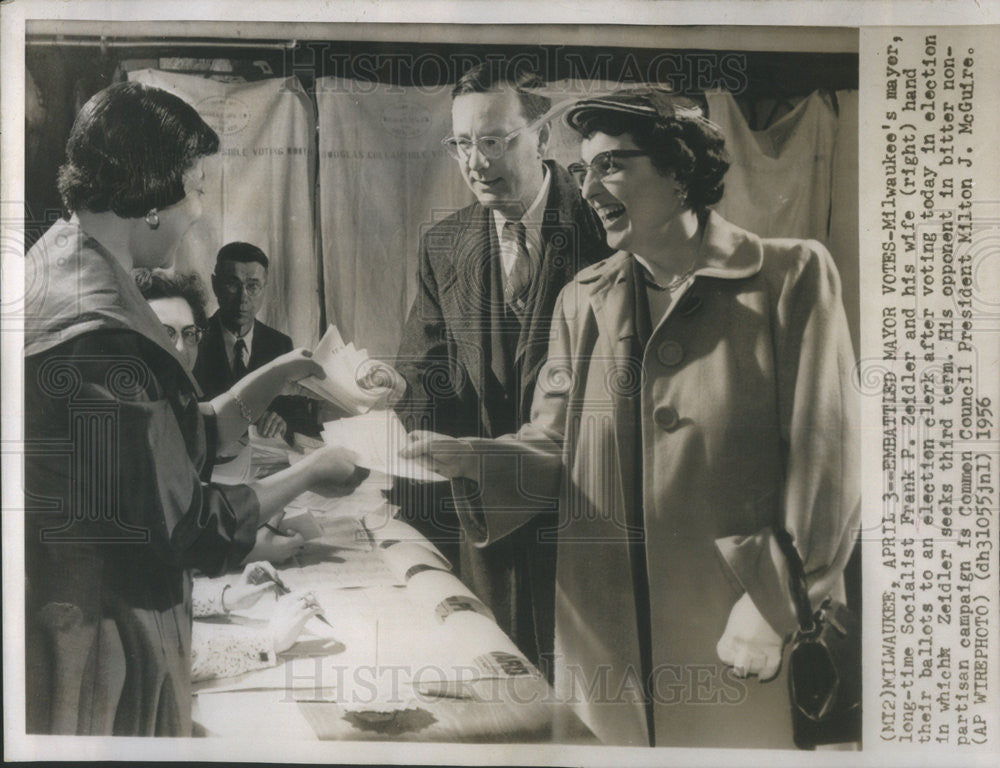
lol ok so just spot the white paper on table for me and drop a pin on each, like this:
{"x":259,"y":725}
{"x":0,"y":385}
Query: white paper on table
{"x":405,"y":558}
{"x":341,"y":533}
{"x":326,"y":567}
{"x":355,"y":505}
{"x":367,"y":626}
{"x":384,"y":528}
{"x":343,"y":365}
{"x":377,"y":437}
{"x":302,"y":522}
{"x":441,"y":594}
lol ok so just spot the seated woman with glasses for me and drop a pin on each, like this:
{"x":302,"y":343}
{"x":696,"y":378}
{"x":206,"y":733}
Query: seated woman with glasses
{"x":179,"y":301}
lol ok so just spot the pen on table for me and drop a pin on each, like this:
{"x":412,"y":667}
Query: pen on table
{"x":277,"y":531}
{"x":323,"y":618}
{"x":283,"y":589}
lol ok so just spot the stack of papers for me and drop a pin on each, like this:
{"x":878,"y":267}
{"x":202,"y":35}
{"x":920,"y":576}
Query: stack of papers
{"x":344,"y":366}
{"x":376,"y":437}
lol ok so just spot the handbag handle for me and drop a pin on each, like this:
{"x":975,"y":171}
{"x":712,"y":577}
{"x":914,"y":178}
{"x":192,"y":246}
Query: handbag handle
{"x":796,"y":578}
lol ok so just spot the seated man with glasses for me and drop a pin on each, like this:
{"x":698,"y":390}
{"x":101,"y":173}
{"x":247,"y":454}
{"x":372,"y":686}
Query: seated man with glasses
{"x":478,"y":330}
{"x":235,"y":342}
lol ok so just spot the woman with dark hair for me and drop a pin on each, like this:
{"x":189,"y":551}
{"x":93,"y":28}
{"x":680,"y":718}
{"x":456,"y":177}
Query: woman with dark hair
{"x":178,"y":300}
{"x":119,"y":449}
{"x":698,"y":390}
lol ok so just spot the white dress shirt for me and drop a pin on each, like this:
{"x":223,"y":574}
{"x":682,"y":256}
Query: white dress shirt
{"x":229,"y":339}
{"x":532,"y":220}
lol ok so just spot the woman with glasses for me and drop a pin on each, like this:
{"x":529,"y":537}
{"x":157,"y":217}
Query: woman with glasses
{"x":118,"y":448}
{"x":698,"y":389}
{"x":179,"y":301}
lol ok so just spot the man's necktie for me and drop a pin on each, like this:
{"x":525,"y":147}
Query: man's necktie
{"x":239,"y":364}
{"x":519,"y":280}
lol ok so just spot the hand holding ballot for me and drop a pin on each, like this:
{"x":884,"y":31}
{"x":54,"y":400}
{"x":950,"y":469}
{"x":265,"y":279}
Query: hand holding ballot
{"x":449,"y":456}
{"x":377,"y":438}
{"x":352,"y":380}
{"x":334,"y":470}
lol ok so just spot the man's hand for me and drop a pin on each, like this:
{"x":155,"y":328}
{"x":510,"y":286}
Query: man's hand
{"x":749,"y":644}
{"x":448,"y":456}
{"x":271,"y":424}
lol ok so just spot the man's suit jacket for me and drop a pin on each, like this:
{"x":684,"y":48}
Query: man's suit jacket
{"x":215,"y":376}
{"x":457,"y":385}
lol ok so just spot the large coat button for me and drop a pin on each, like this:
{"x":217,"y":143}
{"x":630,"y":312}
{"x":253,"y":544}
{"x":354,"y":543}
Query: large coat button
{"x":665,"y":417}
{"x":670,"y":353}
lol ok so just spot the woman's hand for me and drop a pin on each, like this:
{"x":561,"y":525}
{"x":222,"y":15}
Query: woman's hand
{"x":332,"y":471}
{"x":749,"y":644}
{"x":253,"y":584}
{"x":271,"y":424}
{"x":292,"y":366}
{"x":296,"y":365}
{"x":448,"y":456}
{"x":290,"y":616}
{"x":275,"y":548}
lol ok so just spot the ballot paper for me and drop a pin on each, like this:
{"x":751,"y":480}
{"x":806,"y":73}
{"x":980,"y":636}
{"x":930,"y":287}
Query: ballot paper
{"x":344,"y":365}
{"x":376,"y":437}
{"x":434,"y":632}
{"x":302,"y":522}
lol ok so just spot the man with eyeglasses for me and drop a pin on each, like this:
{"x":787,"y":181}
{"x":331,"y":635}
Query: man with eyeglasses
{"x":236,"y":342}
{"x":477,"y":333}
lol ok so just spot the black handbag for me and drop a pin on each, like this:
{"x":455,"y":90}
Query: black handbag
{"x":824,"y":664}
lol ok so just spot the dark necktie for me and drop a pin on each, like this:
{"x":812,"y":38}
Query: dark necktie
{"x":239,"y":367}
{"x":519,"y":280}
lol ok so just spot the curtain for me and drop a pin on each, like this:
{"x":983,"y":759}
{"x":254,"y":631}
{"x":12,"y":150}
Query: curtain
{"x":844,"y":210}
{"x":384,"y":179}
{"x":780,"y":179}
{"x":262,"y":183}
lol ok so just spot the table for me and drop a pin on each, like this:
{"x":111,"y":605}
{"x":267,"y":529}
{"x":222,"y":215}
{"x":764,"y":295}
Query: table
{"x":413,"y":654}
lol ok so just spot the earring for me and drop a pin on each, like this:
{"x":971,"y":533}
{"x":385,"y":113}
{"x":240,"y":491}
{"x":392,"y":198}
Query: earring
{"x":152,"y":219}
{"x":682,"y":196}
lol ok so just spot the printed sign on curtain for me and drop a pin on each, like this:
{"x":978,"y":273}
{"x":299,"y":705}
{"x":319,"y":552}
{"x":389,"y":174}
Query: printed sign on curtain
{"x":384,"y":179}
{"x":260,"y":189}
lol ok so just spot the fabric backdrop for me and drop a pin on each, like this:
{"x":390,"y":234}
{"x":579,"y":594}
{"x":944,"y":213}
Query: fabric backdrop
{"x":261,"y":192}
{"x":384,"y":178}
{"x":844,"y":239}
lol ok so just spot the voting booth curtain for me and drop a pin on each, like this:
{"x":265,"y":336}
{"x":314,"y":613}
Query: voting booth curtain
{"x":261,"y":189}
{"x":345,"y":231}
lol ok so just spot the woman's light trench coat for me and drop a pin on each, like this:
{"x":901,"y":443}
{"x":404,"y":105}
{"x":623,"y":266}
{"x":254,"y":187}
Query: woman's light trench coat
{"x":748,"y":412}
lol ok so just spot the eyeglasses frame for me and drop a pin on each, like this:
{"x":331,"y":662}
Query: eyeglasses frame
{"x":576,"y":169}
{"x":505,"y":141}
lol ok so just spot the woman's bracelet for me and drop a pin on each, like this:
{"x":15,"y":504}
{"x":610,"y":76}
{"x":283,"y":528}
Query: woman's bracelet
{"x":244,"y":409}
{"x":222,"y":598}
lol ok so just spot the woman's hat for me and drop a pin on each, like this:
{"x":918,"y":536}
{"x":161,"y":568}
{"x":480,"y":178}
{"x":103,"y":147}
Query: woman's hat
{"x":644,"y":101}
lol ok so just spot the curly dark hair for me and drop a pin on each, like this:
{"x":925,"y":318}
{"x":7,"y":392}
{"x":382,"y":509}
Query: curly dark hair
{"x":692,"y":152}
{"x":129,"y":149}
{"x":159,"y":284}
